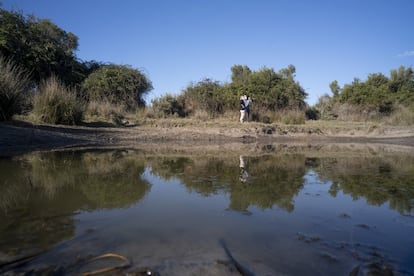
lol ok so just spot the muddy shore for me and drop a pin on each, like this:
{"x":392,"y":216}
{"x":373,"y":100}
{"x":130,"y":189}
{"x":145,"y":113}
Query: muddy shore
{"x":21,"y":137}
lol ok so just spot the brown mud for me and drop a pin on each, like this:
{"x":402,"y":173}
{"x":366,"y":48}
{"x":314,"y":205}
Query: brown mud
{"x":19,"y":137}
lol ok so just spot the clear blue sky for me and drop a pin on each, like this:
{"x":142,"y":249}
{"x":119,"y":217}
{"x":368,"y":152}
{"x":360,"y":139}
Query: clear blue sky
{"x":176,"y":42}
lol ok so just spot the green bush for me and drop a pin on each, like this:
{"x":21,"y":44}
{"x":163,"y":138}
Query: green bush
{"x":312,"y":113}
{"x":168,"y":105}
{"x":325,"y":108}
{"x":14,"y":89}
{"x":118,"y":84}
{"x":56,"y":104}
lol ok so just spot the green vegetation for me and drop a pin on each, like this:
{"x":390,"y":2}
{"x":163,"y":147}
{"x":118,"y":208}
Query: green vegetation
{"x":380,"y":180}
{"x":376,"y":98}
{"x":272,"y":93}
{"x":93,"y":180}
{"x":111,"y":91}
{"x":118,"y":84}
{"x":38,"y":46}
{"x":42,"y":48}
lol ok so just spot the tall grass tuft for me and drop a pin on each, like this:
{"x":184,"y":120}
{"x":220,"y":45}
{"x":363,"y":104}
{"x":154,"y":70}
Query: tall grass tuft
{"x":14,"y":89}
{"x":56,"y":104}
{"x":402,"y":116}
{"x":293,"y":117}
{"x":105,"y":110}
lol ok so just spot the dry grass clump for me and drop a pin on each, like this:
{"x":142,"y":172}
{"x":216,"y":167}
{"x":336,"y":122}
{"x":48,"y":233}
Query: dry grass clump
{"x":14,"y":89}
{"x":105,"y":111}
{"x":357,"y":113}
{"x":402,"y":116}
{"x":288,"y":117}
{"x":56,"y":104}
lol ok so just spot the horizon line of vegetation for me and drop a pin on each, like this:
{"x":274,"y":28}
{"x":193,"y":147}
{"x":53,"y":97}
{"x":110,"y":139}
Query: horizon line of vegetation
{"x":40,"y":74}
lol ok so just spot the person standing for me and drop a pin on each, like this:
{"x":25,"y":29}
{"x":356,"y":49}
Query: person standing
{"x":242,"y":109}
{"x":247,"y":103}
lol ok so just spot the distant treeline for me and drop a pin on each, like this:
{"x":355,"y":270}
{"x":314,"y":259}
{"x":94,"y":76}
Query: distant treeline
{"x":377,"y":96}
{"x":37,"y":59}
{"x":271,"y":91}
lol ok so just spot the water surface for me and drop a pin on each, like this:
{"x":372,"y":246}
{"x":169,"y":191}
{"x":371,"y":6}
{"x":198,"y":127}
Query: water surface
{"x":275,"y":210}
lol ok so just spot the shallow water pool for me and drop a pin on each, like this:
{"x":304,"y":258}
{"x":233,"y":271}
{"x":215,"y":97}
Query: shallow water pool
{"x":275,"y":210}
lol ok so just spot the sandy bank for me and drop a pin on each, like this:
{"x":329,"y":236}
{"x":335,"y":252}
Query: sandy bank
{"x":20,"y":137}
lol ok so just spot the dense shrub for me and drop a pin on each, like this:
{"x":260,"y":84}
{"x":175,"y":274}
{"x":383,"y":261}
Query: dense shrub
{"x":379,"y":93}
{"x":118,"y":84}
{"x":14,"y":89}
{"x":206,"y":95}
{"x":312,"y":113}
{"x":56,"y":104}
{"x":271,"y":92}
{"x":168,"y":105}
{"x":325,"y":108}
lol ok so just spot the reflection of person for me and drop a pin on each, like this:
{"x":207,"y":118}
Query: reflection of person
{"x":242,"y":109}
{"x":244,"y":174}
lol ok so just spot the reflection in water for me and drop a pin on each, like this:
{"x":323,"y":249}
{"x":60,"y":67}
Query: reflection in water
{"x":244,"y":174}
{"x":40,"y":194}
{"x":331,"y":209}
{"x":376,"y":179}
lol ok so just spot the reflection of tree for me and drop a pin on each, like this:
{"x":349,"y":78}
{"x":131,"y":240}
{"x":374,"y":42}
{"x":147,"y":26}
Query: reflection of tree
{"x":103,"y":180}
{"x":42,"y":191}
{"x":274,"y":179}
{"x":113,"y":180}
{"x":378,"y":179}
{"x":169,"y":167}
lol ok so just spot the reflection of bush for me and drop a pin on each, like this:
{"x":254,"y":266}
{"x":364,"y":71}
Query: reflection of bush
{"x":378,"y":179}
{"x":102,"y":180}
{"x":28,"y":218}
{"x":13,"y":183}
{"x":169,"y":167}
{"x":275,"y":179}
{"x":53,"y":171}
{"x":113,"y":180}
{"x":42,"y":191}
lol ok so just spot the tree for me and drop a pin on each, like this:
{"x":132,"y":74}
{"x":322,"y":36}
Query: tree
{"x":325,"y":107}
{"x":377,"y":80}
{"x":335,"y":89}
{"x":118,"y":84}
{"x":40,"y":47}
{"x":378,"y":94}
{"x":206,"y":95}
{"x":240,"y":74}
{"x":271,"y":91}
{"x":401,"y":77}
{"x":276,"y":91}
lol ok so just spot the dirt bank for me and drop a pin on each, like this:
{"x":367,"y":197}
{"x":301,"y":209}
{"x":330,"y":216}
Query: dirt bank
{"x":20,"y":137}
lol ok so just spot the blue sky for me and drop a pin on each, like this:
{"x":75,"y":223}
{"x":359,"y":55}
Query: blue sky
{"x":178,"y":42}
